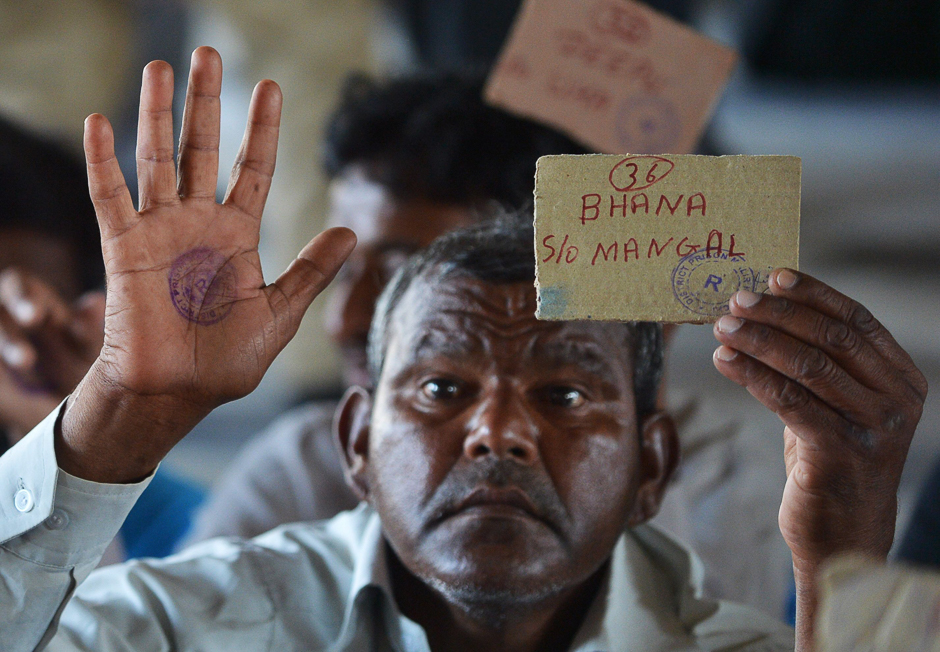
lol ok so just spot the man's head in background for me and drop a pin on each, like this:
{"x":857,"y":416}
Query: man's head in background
{"x":49,"y":249}
{"x":47,"y":221}
{"x":505,"y":455}
{"x":409,"y":160}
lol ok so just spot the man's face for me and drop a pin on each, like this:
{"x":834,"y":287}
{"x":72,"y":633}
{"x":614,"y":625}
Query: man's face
{"x":389,"y":230}
{"x":503,"y":454}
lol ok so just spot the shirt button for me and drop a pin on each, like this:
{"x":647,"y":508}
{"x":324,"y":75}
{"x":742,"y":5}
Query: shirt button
{"x":57,"y":520}
{"x":23,"y":500}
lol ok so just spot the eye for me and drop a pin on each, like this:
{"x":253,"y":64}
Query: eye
{"x":567,"y":397}
{"x":440,"y":389}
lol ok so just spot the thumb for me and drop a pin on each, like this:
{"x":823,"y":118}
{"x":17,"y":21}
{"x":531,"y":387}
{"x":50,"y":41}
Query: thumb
{"x":309,"y":273}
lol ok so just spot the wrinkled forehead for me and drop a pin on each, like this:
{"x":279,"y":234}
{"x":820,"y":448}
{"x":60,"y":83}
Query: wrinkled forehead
{"x":461,"y":303}
{"x":459,"y":315}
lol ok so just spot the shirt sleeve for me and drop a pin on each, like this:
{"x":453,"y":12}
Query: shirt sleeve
{"x":54,"y":528}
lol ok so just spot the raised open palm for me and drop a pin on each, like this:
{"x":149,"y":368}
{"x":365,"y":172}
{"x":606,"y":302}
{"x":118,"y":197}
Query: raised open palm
{"x":190,"y":322}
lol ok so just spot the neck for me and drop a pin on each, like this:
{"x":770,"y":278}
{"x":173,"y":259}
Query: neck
{"x":498,"y":625}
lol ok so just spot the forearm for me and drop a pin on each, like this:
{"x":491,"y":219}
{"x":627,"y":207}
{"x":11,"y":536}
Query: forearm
{"x":807,"y":598}
{"x":111,"y":435}
{"x":54,"y":529}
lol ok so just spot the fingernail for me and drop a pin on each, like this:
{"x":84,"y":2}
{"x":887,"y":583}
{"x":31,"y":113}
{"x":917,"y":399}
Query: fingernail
{"x":23,"y":311}
{"x":786,"y":279}
{"x":13,"y":355}
{"x":746,"y":298}
{"x":725,"y":353}
{"x":729,"y":324}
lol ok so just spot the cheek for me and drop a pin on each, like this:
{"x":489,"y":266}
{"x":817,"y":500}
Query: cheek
{"x":596,"y":477}
{"x":406,"y":467}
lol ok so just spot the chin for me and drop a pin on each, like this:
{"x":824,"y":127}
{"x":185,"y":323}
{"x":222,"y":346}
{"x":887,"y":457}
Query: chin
{"x":495,"y":590}
{"x":496,"y":562}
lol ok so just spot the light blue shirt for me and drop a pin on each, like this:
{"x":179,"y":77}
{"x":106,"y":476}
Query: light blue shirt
{"x":305,"y":586}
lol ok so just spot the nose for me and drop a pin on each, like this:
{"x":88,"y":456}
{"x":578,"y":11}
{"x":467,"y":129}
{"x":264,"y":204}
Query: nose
{"x":502,"y":428}
{"x":349,"y":310}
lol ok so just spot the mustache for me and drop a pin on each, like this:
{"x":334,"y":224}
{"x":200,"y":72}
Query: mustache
{"x":499,"y":474}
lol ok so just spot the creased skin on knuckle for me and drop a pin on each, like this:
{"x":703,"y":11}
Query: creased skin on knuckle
{"x":284,"y":326}
{"x":840,"y":337}
{"x":258,"y":166}
{"x":861,"y":319}
{"x":113,"y":192}
{"x":813,"y":365}
{"x":157,"y":156}
{"x":208,"y":144}
{"x":782,"y":310}
{"x":759,"y":334}
{"x":278,"y":300}
{"x":789,"y":396}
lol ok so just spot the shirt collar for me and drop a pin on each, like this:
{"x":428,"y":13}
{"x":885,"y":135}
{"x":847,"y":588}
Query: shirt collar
{"x":370,"y":594}
{"x":650,"y":597}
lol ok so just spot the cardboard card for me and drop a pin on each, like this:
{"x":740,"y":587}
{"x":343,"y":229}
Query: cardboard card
{"x":613,"y":74}
{"x":660,"y":238}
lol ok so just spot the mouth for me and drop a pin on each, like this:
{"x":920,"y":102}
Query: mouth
{"x":493,"y":502}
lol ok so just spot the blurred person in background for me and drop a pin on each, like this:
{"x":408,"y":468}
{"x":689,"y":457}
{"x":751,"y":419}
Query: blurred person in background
{"x":52,"y":311}
{"x":48,"y":234}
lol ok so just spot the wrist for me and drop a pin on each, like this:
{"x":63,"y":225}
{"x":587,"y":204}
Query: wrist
{"x":110,"y":434}
{"x":805,"y":574}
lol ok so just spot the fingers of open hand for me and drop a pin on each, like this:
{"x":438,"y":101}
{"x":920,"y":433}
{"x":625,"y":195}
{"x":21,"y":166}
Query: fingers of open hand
{"x":307,"y":276}
{"x":113,"y":204}
{"x":851,"y":332}
{"x":800,"y":409}
{"x":254,"y":166}
{"x":199,"y":139}
{"x":806,"y":364}
{"x":156,"y":169}
{"x":828,"y":347}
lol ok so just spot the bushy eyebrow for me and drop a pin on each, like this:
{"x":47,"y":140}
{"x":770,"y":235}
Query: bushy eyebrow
{"x":439,"y":341}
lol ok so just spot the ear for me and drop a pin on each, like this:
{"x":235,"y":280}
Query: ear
{"x":659,"y":457}
{"x":351,"y":429}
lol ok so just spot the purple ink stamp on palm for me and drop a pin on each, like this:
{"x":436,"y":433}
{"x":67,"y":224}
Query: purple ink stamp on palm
{"x":202,"y":286}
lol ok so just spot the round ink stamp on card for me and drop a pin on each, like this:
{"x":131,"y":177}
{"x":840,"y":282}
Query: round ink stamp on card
{"x":202,"y":286}
{"x":647,"y":124}
{"x":704,"y":280}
